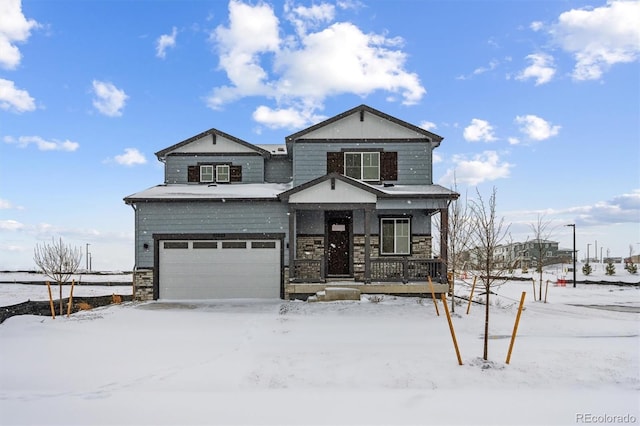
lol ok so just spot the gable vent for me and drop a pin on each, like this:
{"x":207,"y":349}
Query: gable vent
{"x":213,"y":138}
{"x":361,"y":115}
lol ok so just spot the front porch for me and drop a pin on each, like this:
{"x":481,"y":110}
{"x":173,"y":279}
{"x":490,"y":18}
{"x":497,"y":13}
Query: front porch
{"x":300,"y":290}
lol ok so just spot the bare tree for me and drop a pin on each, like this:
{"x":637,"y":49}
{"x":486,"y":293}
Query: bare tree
{"x":487,"y":233}
{"x":57,"y":261}
{"x":459,"y":230}
{"x":541,"y":236}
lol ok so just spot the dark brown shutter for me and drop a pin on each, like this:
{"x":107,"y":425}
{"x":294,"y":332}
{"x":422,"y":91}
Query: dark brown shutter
{"x":235,"y":173}
{"x":335,"y":162}
{"x":389,"y":166}
{"x":193,"y":174}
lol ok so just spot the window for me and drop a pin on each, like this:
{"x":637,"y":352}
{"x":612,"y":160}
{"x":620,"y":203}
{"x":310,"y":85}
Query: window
{"x":206,"y":173}
{"x":234,"y":244}
{"x":205,"y":244}
{"x":176,"y":245}
{"x":362,"y":165}
{"x":395,"y":236}
{"x":222,"y":173}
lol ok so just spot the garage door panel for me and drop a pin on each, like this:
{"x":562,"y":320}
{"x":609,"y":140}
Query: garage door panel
{"x":220,"y":269}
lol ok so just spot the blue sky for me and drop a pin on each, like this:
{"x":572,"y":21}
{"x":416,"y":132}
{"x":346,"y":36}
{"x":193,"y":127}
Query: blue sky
{"x":539,"y":99}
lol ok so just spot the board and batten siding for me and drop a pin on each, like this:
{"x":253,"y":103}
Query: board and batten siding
{"x":176,"y":166}
{"x":414,"y":159}
{"x":268,"y":217}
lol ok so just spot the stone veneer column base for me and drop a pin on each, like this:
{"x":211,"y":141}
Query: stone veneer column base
{"x":143,"y":285}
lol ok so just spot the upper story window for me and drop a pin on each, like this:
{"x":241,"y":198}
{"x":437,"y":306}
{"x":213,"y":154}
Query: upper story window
{"x":206,"y":173}
{"x":373,"y":166}
{"x":362,"y":165}
{"x":222,"y":173}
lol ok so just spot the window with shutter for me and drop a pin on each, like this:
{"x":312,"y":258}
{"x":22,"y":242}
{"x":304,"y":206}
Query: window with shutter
{"x":389,"y":165}
{"x":335,"y":162}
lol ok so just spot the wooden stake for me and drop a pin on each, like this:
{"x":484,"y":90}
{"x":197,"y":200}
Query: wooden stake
{"x":433,"y":296}
{"x":70,"y":304}
{"x":515,"y":326}
{"x":546,"y":290}
{"x":533,"y":282}
{"x":453,"y":333}
{"x":53,"y":310}
{"x":473,"y":287}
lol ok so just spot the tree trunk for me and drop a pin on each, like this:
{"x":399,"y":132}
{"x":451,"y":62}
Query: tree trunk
{"x":486,"y":327}
{"x":60,"y":285}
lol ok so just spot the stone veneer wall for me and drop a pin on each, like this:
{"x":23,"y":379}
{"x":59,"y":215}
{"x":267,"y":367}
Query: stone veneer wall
{"x":310,"y":247}
{"x":143,"y":284}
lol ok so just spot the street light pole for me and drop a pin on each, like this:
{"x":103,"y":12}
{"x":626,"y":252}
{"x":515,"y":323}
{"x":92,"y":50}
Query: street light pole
{"x":573,"y":225}
{"x":87,"y":255}
{"x":588,"y":244}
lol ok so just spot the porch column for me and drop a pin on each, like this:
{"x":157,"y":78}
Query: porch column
{"x":292,"y":241}
{"x":444,"y":238}
{"x":367,"y":246}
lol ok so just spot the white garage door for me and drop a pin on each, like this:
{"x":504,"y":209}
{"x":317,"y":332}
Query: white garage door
{"x":197,"y":269}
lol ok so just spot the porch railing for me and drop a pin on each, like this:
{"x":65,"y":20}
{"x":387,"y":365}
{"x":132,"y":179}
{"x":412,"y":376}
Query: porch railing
{"x":405,"y":270}
{"x":382,"y":269}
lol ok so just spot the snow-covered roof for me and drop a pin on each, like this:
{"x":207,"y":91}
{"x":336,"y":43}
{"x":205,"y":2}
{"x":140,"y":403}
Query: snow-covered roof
{"x":243,"y":191}
{"x":265,"y":191}
{"x":274,"y":148}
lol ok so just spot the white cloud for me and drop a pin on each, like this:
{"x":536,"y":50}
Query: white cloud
{"x":479,"y":130}
{"x":536,"y":26}
{"x":43,"y":144}
{"x":624,"y":208}
{"x":428,"y":125}
{"x":298,"y":71}
{"x":10,"y":225}
{"x":5,"y":204}
{"x":485,"y":166}
{"x":14,"y":27}
{"x":284,"y":117}
{"x":541,"y":69}
{"x":513,"y":141}
{"x":109,"y":100}
{"x":601,"y":37}
{"x":14,"y":99}
{"x":131,"y":157}
{"x":166,"y":41}
{"x":536,"y":128}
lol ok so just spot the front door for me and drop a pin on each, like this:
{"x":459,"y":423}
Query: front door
{"x":338,"y":246}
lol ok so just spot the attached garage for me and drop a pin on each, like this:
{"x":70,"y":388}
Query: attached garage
{"x":218,"y":268}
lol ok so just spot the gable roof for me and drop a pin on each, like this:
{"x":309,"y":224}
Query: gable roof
{"x":162,"y":153}
{"x":361,"y":108}
{"x":353,"y":182}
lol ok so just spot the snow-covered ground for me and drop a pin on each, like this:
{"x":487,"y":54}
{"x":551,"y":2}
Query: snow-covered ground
{"x":279,"y":362}
{"x":12,"y":277}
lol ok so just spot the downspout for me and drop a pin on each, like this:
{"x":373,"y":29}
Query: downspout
{"x":135,"y":254}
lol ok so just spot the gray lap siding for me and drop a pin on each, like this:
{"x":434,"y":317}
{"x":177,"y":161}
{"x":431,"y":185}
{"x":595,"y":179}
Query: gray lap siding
{"x":176,"y":166}
{"x":230,"y":217}
{"x":414,"y":160}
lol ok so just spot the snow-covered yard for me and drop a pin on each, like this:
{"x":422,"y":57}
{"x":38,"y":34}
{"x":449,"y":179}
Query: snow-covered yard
{"x":277,"y":362}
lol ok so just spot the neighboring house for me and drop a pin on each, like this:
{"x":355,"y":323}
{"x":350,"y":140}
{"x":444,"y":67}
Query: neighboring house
{"x":348,"y":201}
{"x":524,"y":254}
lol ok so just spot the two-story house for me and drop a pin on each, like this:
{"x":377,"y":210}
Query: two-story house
{"x":348,"y":200}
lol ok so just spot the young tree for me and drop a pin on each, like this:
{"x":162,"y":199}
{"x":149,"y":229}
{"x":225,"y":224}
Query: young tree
{"x":458,"y":232}
{"x":586,"y":269}
{"x":57,"y":261}
{"x":611,"y":268}
{"x":541,"y":236}
{"x":630,"y":266}
{"x":487,"y":232}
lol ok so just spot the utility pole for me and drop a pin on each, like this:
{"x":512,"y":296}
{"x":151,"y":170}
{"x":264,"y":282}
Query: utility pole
{"x":573,"y":225}
{"x":87,"y":255}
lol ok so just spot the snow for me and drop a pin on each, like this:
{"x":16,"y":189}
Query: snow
{"x":212,"y":191}
{"x":274,"y":362}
